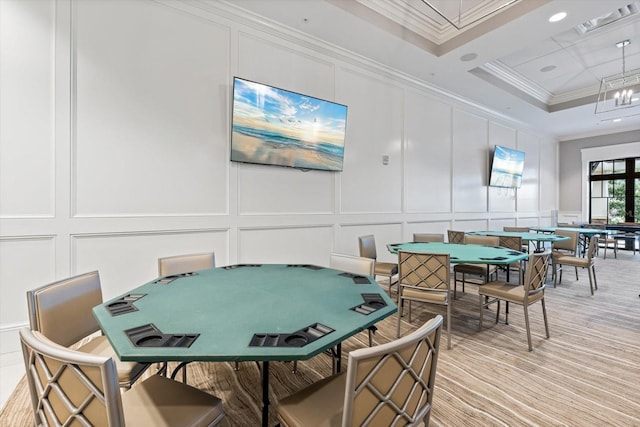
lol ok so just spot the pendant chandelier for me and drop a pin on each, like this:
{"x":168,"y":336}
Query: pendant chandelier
{"x":619,"y":91}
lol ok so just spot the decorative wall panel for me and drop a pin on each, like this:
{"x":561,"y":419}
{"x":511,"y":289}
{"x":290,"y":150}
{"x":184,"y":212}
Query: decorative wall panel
{"x":374,"y":130}
{"x":152,"y":96}
{"x":26,"y":109}
{"x":427,"y":131}
{"x":295,"y":245}
{"x":470,"y":162}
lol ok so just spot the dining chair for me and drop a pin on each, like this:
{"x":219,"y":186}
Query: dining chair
{"x":525,"y":246}
{"x":455,"y":236}
{"x":515,"y":243}
{"x":352,"y":264}
{"x":62,"y":311}
{"x":606,"y":241}
{"x":530,"y":292}
{"x":180,"y":264}
{"x":424,"y":278}
{"x":563,"y":248}
{"x":385,"y":385}
{"x":360,"y":266}
{"x":485,"y":271}
{"x":69,"y":387}
{"x":428,"y":237}
{"x":587,"y":262}
{"x":367,"y":247}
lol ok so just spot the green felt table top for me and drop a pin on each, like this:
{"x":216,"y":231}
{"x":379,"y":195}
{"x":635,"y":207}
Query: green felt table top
{"x":226,"y":306}
{"x":585,"y":231}
{"x":526,"y":237}
{"x":464,"y":253}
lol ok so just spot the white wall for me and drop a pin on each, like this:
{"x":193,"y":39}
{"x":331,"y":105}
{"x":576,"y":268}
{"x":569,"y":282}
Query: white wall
{"x":114,"y":148}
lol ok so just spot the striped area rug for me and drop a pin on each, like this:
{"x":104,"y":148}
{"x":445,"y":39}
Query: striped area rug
{"x":586,"y":374}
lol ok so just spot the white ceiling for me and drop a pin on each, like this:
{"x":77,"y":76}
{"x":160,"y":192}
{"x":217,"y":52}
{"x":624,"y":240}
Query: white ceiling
{"x":508,"y":51}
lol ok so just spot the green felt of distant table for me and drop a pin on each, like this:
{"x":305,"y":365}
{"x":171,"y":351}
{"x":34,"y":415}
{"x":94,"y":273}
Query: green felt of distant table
{"x":526,"y":237}
{"x":463,"y":253}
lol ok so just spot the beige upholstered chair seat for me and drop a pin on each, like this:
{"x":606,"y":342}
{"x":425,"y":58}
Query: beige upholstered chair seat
{"x":478,"y":269}
{"x":386,"y":268}
{"x":159,"y":401}
{"x":100,"y":346}
{"x":508,"y":292}
{"x":324,"y":399}
{"x":421,"y":295}
{"x":572,"y":261}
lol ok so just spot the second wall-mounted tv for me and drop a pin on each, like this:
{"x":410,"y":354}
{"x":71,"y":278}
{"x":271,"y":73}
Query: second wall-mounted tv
{"x":507,"y":166}
{"x":273,"y":126}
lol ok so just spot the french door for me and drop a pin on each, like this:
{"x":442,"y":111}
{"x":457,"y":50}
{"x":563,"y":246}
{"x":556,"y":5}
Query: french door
{"x":614,"y":191}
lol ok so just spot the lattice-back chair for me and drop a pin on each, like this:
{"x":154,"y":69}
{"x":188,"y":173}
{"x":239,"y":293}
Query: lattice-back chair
{"x":62,"y":311}
{"x":563,"y":248}
{"x":367,"y":247}
{"x":530,"y":292}
{"x":525,"y":246}
{"x":515,"y":243}
{"x":69,"y":387}
{"x":588,"y":262}
{"x":385,"y":385}
{"x":485,"y":271}
{"x":180,"y":264}
{"x":455,"y":236}
{"x":428,"y":237}
{"x":424,"y":278}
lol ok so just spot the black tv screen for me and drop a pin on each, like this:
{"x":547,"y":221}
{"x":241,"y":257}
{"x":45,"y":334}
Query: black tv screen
{"x":273,"y":126}
{"x":506,"y":167}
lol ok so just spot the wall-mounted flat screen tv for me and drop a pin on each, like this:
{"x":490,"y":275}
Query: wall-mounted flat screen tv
{"x":273,"y":126}
{"x":506,"y":167}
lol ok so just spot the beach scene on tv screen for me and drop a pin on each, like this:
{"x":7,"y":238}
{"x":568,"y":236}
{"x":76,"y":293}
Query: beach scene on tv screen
{"x":506,"y":170}
{"x":278,"y":127}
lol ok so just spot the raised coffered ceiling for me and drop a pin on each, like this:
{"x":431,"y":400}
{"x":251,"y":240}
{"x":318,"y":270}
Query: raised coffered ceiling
{"x":512,"y":61}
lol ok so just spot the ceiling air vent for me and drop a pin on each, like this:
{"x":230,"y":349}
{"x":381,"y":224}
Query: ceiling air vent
{"x":616,"y":15}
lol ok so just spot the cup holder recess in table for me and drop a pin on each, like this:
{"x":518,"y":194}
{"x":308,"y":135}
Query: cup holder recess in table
{"x":150,"y":336}
{"x":357,"y":279}
{"x":372,"y":302}
{"x":233,"y":267}
{"x":308,"y":266}
{"x":298,"y":338}
{"x":123,"y":305}
{"x":170,"y":278}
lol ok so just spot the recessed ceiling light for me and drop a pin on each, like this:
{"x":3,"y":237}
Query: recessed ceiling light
{"x":617,"y":120}
{"x":558,"y":17}
{"x":548,"y":68}
{"x":468,"y":57}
